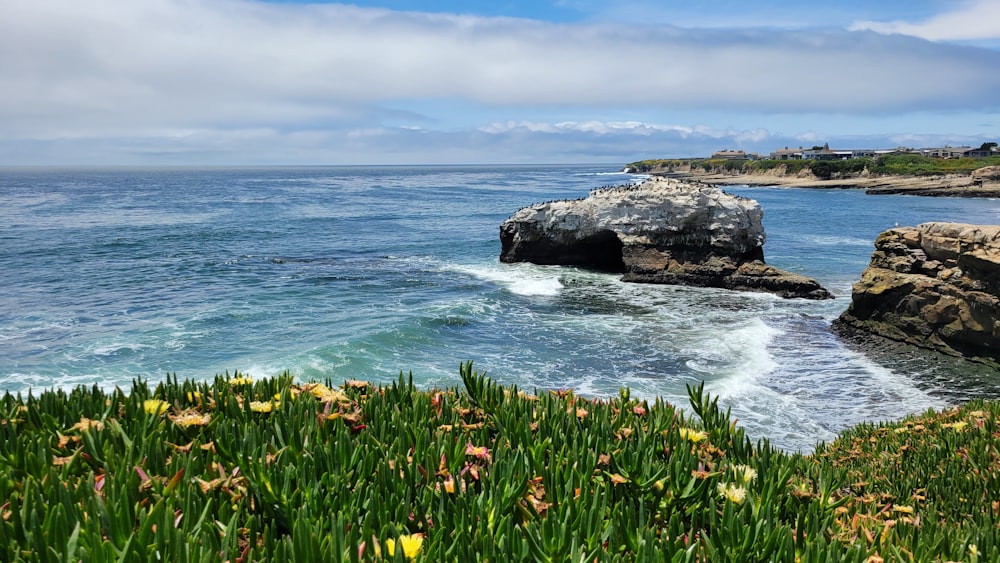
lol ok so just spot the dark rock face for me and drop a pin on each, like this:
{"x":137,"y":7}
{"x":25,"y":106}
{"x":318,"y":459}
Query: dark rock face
{"x":937,"y":286}
{"x":601,"y":250}
{"x":662,"y":231}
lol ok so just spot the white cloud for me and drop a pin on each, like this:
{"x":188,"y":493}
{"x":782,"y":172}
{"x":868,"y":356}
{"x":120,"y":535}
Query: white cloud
{"x":527,"y":142}
{"x":595,"y":127}
{"x":237,"y":78}
{"x":970,"y":20}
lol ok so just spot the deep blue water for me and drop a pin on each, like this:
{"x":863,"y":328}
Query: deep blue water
{"x":363,"y":272}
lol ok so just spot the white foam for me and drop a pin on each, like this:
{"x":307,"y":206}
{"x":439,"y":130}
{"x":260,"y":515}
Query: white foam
{"x":749,"y":346}
{"x":521,"y":279}
{"x":618,"y":173}
{"x":898,"y":386}
{"x":116,"y":348}
{"x":832,"y":240}
{"x":816,"y":387}
{"x":262,"y":371}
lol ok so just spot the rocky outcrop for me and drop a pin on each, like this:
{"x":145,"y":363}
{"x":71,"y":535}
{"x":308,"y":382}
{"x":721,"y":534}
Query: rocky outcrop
{"x":936,"y":285}
{"x":661,"y":231}
{"x":986,"y":174}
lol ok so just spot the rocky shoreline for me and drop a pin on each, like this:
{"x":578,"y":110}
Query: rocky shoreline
{"x":934,"y":286}
{"x":957,"y":185}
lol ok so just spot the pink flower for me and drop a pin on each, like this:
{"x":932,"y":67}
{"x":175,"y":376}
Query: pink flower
{"x":481,"y":452}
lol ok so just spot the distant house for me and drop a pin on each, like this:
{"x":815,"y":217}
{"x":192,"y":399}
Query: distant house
{"x":730,"y":155}
{"x":946,"y":152}
{"x":826,"y":153}
{"x":895,"y":151}
{"x":830,"y":154}
{"x":787,"y":154}
{"x":980,"y":152}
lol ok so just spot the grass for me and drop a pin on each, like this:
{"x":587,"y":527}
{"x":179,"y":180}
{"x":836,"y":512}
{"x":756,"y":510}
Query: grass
{"x":276,"y":470}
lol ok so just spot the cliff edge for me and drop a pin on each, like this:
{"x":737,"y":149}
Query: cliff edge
{"x":936,"y":286}
{"x":982,"y":182}
{"x":661,"y":231}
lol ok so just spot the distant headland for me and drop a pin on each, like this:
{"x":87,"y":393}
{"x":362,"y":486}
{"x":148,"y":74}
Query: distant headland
{"x":939,"y":171}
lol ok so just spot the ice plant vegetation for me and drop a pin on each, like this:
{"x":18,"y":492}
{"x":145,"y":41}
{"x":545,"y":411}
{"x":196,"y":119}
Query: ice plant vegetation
{"x":191,"y":471}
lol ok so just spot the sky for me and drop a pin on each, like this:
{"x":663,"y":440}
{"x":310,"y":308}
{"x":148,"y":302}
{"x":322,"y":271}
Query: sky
{"x":255,"y":82}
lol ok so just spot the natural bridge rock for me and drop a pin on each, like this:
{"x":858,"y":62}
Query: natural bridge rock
{"x":661,"y":231}
{"x":937,"y":286}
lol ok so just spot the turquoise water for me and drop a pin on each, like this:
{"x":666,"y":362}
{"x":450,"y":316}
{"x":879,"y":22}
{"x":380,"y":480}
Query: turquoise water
{"x":363,"y":272}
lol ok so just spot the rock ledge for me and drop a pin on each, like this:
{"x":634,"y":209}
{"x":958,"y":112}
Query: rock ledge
{"x":661,"y":231}
{"x":936,"y":286}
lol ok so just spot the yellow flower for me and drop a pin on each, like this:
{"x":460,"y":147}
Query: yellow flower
{"x":244,"y":380}
{"x":449,"y":485}
{"x":191,"y":418}
{"x":410,"y":543}
{"x":744,"y":472}
{"x":692,"y":435}
{"x":731,"y":492}
{"x":154,"y":406}
{"x":262,"y":406}
{"x":325,"y":394}
{"x":903,"y":509}
{"x":957,"y":426}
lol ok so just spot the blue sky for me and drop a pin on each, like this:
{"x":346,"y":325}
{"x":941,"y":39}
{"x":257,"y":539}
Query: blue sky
{"x":234,"y":82}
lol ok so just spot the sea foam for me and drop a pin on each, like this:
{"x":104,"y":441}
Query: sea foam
{"x":520,"y":279}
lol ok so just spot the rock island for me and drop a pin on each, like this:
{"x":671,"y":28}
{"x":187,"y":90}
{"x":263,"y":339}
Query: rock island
{"x":663,"y":230}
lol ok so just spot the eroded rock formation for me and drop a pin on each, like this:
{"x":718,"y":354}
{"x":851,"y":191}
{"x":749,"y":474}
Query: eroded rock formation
{"x":936,"y":285}
{"x":661,"y":231}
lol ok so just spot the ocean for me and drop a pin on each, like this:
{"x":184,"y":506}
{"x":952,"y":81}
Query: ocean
{"x":366,"y":272}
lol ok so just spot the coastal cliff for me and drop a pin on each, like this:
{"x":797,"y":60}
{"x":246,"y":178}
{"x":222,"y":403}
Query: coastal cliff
{"x":936,"y":286}
{"x":661,"y":231}
{"x":980,"y":182}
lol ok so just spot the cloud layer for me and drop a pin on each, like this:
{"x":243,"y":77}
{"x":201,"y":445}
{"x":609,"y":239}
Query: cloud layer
{"x":172,"y":77}
{"x":969,"y":20}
